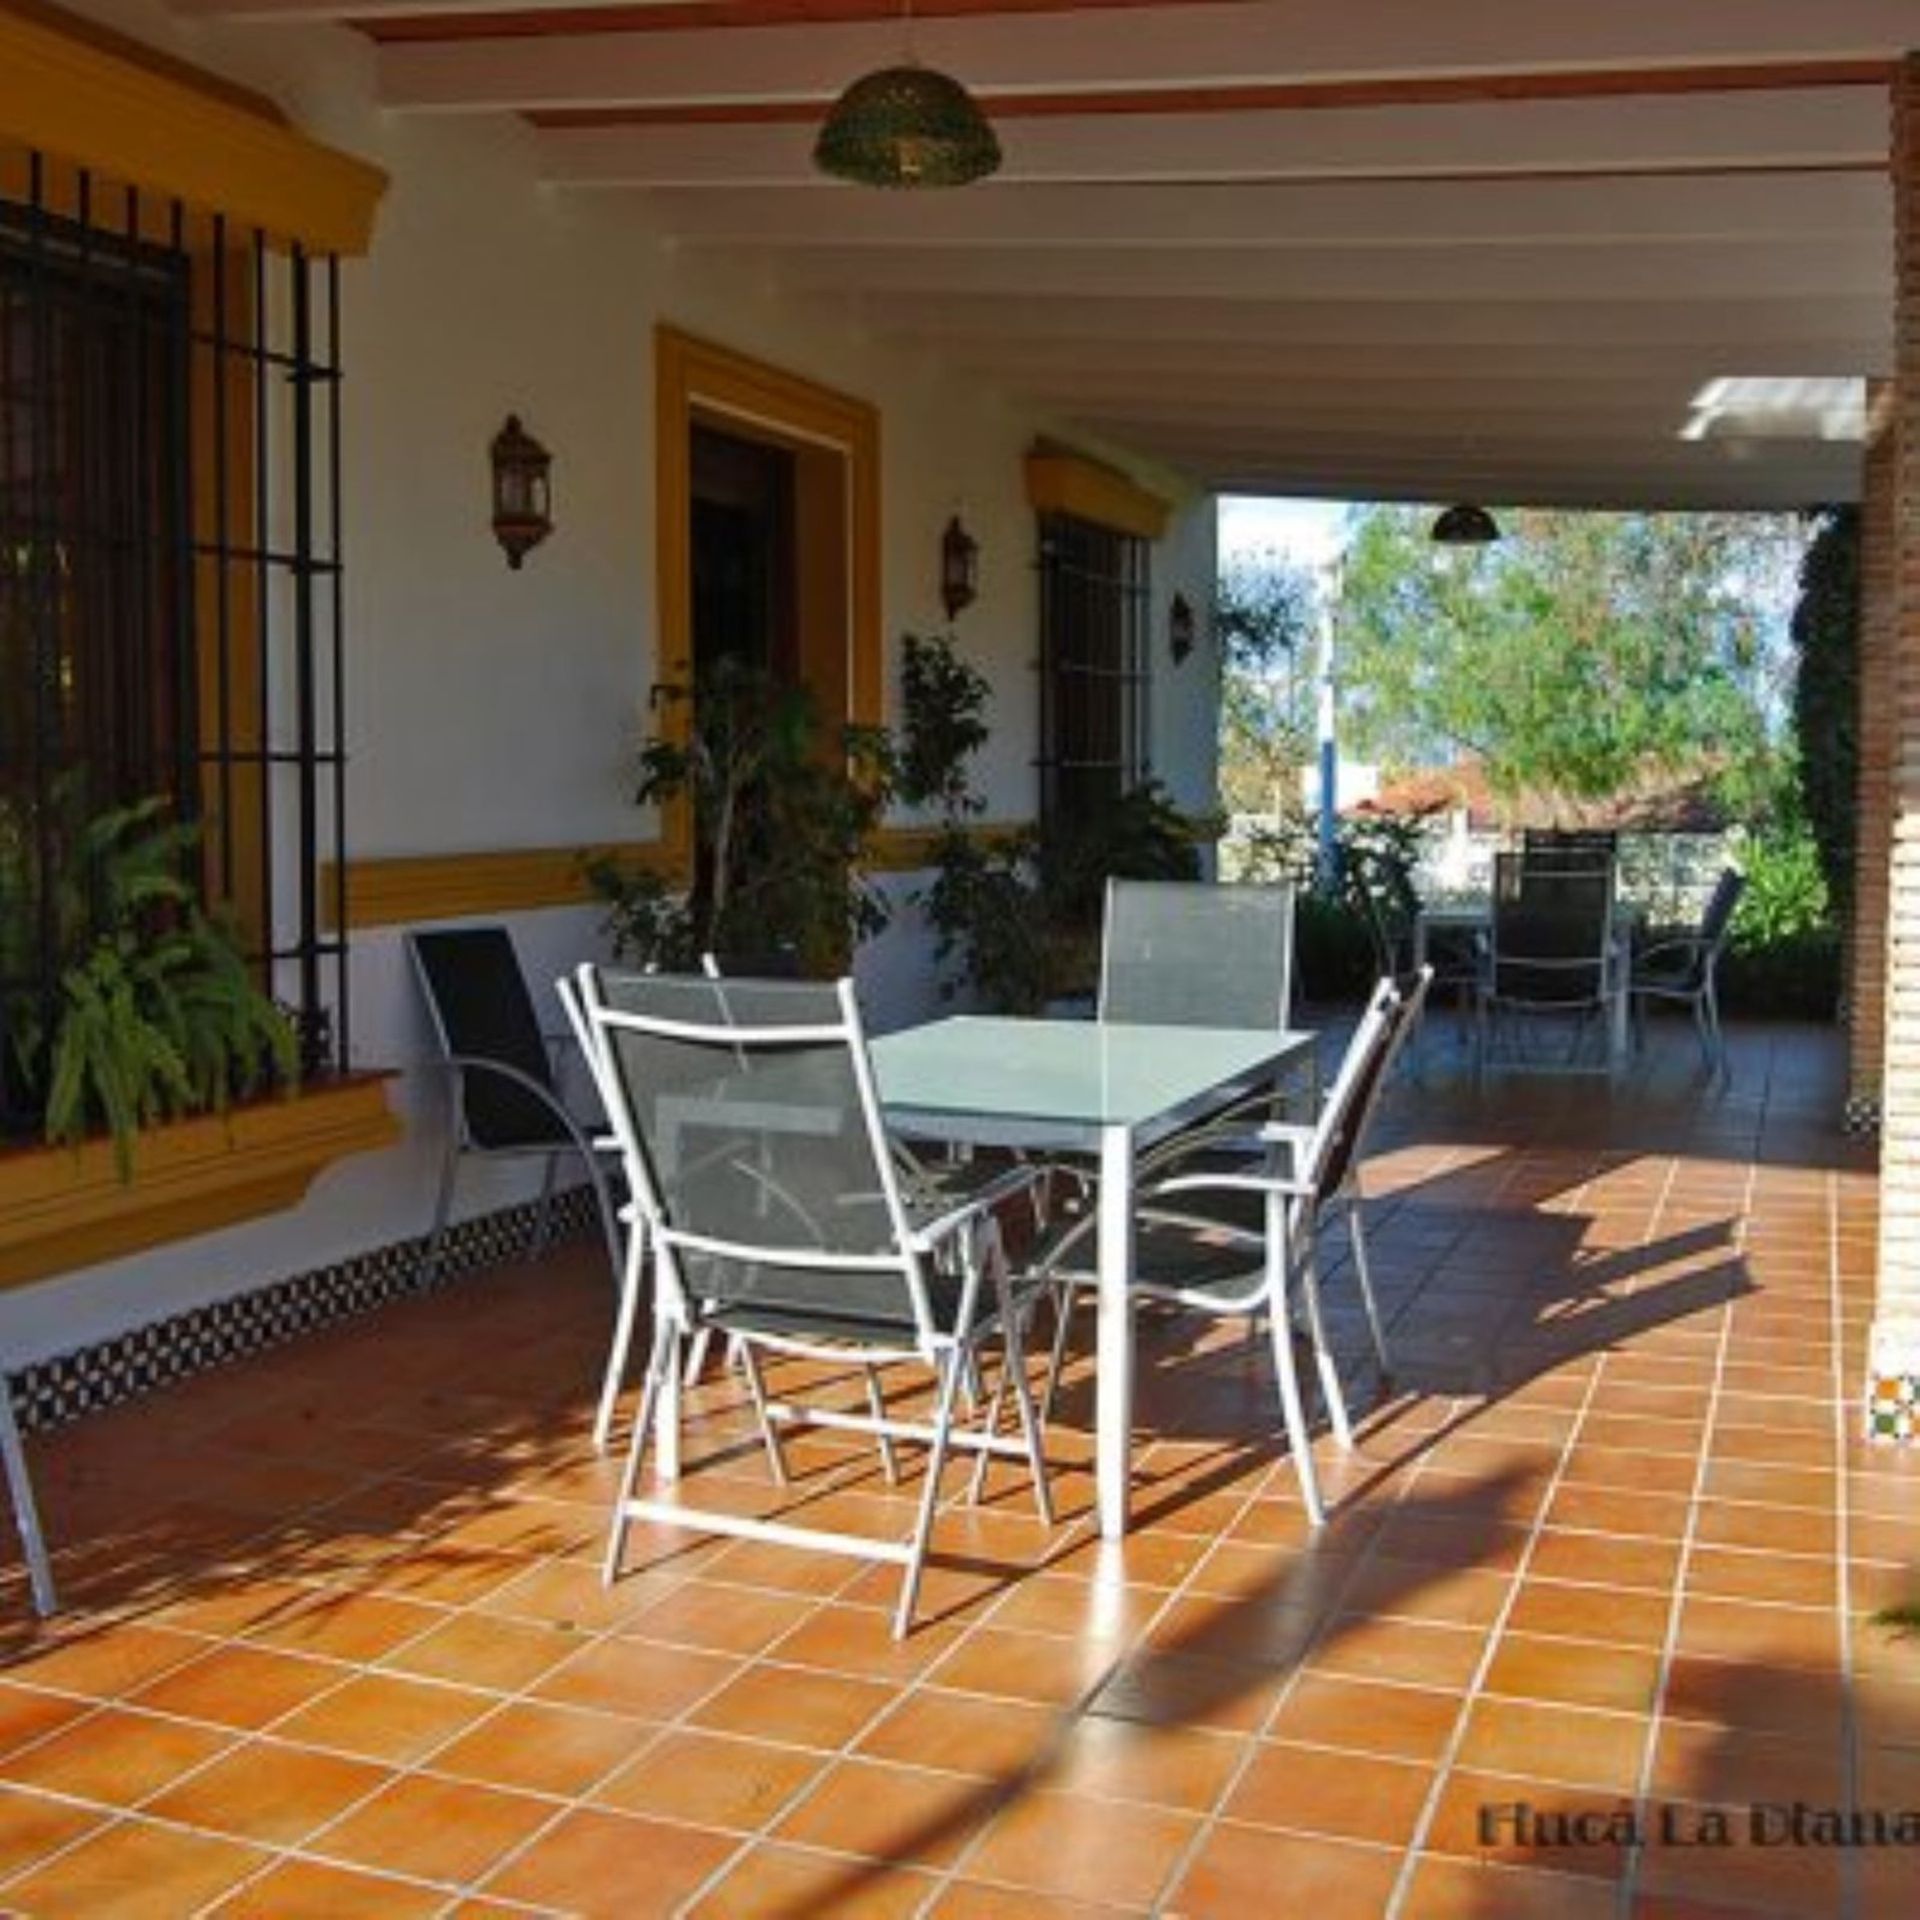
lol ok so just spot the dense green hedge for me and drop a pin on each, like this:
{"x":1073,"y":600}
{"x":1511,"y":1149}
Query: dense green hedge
{"x":1826,"y":696}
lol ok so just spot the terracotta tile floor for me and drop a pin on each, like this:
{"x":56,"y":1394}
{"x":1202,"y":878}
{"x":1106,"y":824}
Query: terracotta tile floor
{"x":337,"y":1642}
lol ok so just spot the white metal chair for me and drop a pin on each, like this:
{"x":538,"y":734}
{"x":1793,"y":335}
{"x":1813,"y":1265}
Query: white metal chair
{"x":760,"y":1162}
{"x":633,"y":1262}
{"x":1226,"y":1235}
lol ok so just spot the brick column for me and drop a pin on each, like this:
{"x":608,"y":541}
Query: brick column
{"x":1873,"y":792}
{"x":1894,"y":1395}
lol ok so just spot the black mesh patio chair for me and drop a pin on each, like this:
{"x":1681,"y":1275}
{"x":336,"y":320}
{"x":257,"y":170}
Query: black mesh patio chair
{"x":1226,"y":1234}
{"x":1551,"y":959}
{"x":1685,"y":967}
{"x":1560,"y":849}
{"x":506,"y":1099}
{"x":760,"y":1161}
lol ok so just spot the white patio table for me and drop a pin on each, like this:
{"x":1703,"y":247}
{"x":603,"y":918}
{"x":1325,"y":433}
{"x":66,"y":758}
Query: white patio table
{"x":1111,"y":1089}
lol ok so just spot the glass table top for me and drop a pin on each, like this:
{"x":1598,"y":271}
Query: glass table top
{"x":1074,"y":1072}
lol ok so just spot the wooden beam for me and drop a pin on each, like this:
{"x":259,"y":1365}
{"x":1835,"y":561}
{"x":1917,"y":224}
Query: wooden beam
{"x":1389,"y":52}
{"x":153,"y":128}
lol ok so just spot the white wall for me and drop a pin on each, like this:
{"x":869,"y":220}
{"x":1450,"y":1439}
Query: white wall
{"x":492,"y":709}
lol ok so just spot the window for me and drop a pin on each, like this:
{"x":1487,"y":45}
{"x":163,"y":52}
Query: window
{"x":170,"y":612}
{"x":1093,"y":667}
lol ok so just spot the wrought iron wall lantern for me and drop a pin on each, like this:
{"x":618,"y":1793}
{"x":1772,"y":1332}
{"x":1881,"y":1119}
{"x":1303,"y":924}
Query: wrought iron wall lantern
{"x":522,"y":491}
{"x":1183,"y":627}
{"x":959,"y":568}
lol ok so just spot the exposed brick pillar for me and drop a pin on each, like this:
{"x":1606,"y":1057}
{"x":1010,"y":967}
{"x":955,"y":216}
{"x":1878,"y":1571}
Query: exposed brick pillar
{"x":1894,"y":1398}
{"x":1873,"y":793}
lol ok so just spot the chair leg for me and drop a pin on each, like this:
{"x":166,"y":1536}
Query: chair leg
{"x":990,"y":1420}
{"x":26,"y":1514}
{"x":1711,"y":996}
{"x":877,"y":1406}
{"x":1363,"y":1272}
{"x":950,"y":1372}
{"x":664,"y":1354}
{"x":429,"y":1270}
{"x":626,"y":1314}
{"x":543,"y":1216}
{"x":757,"y":1389}
{"x":697,"y":1354}
{"x":1062,"y":1321}
{"x":1293,"y":1412}
{"x":1016,"y":1359}
{"x":1323,"y":1359}
{"x":609,"y":1216}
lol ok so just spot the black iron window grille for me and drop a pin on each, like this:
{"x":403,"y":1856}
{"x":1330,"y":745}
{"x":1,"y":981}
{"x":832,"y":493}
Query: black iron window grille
{"x":1094,"y":598}
{"x":171,"y":620}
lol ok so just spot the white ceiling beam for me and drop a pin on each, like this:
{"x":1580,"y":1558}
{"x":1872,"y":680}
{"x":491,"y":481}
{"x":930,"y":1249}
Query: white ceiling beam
{"x":1547,"y":213}
{"x":1761,"y":490}
{"x":1738,"y":328}
{"x":1793,"y":477}
{"x":1481,"y":463}
{"x":1733,"y":270}
{"x":1642,"y":404}
{"x":1073,"y":365}
{"x":1245,"y":43}
{"x":1752,"y":331}
{"x":1821,"y":127}
{"x":1640,"y":419}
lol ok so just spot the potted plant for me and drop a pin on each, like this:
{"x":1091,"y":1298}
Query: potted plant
{"x":781,"y":807}
{"x":127,"y":1003}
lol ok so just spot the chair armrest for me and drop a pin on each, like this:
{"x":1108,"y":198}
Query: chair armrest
{"x":1260,"y":1183}
{"x":1687,"y":943}
{"x":928,"y":1234}
{"x":1289,"y":1134}
{"x":455,"y":1065}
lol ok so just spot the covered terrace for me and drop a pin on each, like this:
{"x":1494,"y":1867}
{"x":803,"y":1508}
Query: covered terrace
{"x":334,"y":1639}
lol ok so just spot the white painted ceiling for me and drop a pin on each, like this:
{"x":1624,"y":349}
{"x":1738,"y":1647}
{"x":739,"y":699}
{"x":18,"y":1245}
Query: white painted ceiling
{"x":1499,"y":249}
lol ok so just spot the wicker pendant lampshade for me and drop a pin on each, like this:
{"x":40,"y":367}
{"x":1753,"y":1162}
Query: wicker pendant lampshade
{"x":1466,"y":525}
{"x":907,"y":126}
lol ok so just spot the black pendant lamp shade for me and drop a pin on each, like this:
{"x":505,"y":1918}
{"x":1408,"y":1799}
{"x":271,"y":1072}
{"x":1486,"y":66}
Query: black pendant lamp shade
{"x":1466,"y":525}
{"x":907,"y":126}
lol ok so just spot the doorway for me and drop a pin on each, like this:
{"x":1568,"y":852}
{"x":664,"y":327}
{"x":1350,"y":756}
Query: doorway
{"x":768,"y":505}
{"x":741,"y":523}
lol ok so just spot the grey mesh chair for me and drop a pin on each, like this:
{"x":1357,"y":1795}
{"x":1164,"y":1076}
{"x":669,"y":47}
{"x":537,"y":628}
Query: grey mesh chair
{"x":761,"y":1165}
{"x":1685,"y":968}
{"x":1551,"y":957}
{"x":1183,"y":953}
{"x":1241,"y":1238}
{"x":1190,"y":953}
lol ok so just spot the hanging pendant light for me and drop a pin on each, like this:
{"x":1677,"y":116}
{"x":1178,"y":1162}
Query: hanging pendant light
{"x":907,"y":126}
{"x":1466,"y":525}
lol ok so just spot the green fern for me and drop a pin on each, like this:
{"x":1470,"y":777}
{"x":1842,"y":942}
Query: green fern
{"x":158,"y":1015}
